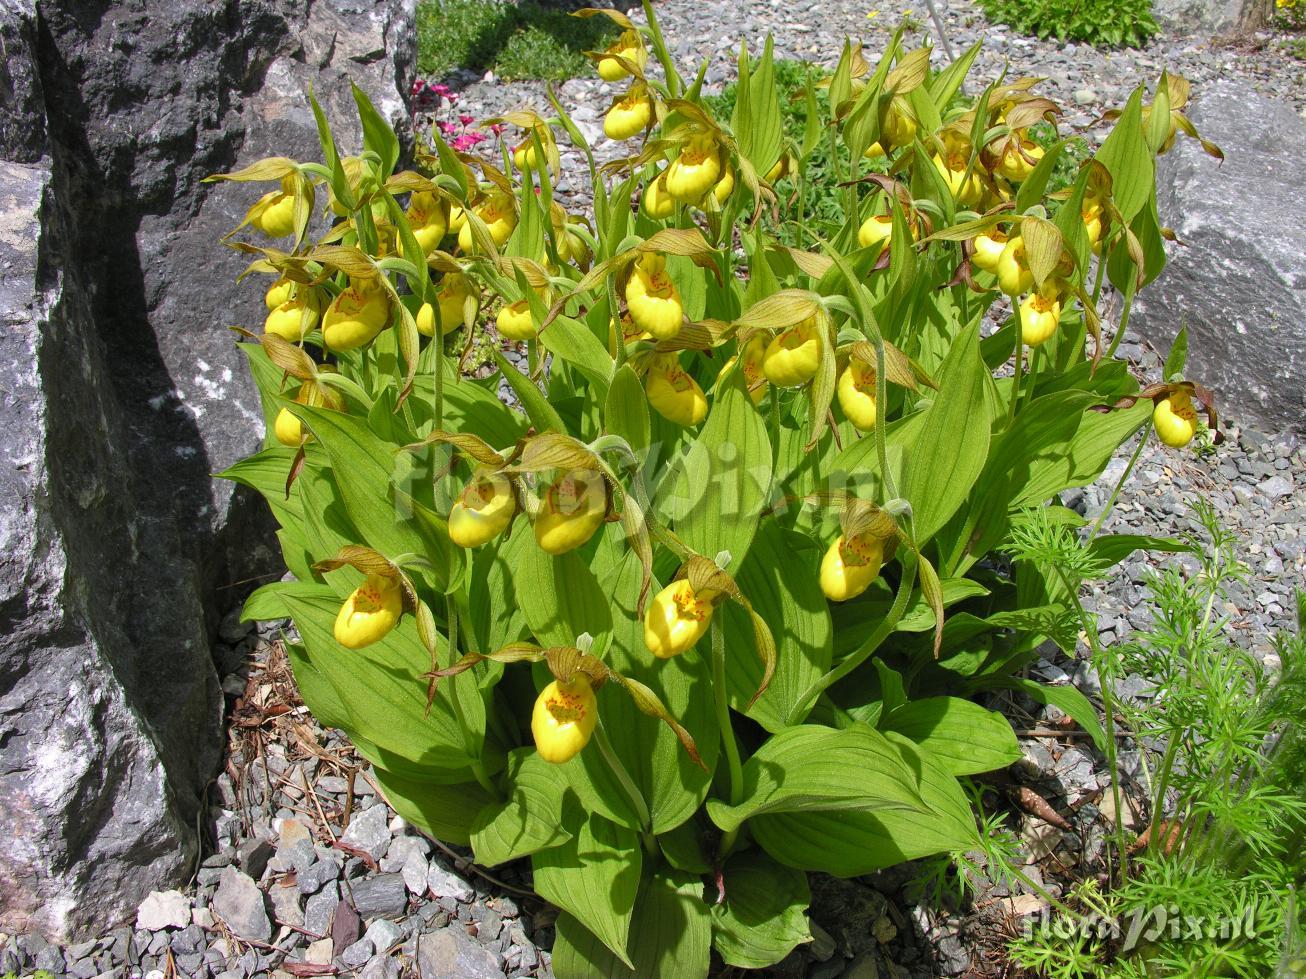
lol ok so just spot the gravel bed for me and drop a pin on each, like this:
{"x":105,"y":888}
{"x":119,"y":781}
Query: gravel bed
{"x":309,"y":872}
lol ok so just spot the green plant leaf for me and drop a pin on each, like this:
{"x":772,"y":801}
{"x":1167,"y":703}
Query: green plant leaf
{"x":543,"y":415}
{"x":764,"y":916}
{"x":1067,"y":699}
{"x":572,"y":342}
{"x":1127,"y":158}
{"x":378,"y":136}
{"x":715,"y":493}
{"x":1177,"y":359}
{"x":964,"y":737}
{"x":670,"y":935}
{"x":529,"y":820}
{"x":595,"y":877}
{"x":952,"y":444}
{"x":444,"y":811}
{"x":626,"y":413}
{"x":849,"y":843}
{"x":807,"y":769}
{"x":780,"y":579}
{"x":1111,"y":549}
{"x":559,"y":595}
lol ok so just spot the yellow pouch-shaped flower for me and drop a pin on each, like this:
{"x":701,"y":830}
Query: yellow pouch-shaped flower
{"x":856,"y":392}
{"x":652,"y":298}
{"x":482,"y":511}
{"x":1175,"y":419}
{"x":673,"y":393}
{"x":571,"y":510}
{"x":849,"y":567}
{"x":370,"y":612}
{"x":794,"y":355}
{"x":698,"y":167}
{"x":675,"y":620}
{"x":564,"y":718}
{"x":356,"y":316}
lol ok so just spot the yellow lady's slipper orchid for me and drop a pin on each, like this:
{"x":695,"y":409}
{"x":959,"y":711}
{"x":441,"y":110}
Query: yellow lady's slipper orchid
{"x":1092,"y":218}
{"x":725,"y":185}
{"x":1014,"y":163}
{"x":876,"y":228}
{"x":287,"y":427}
{"x":571,"y":510}
{"x":428,"y":217}
{"x":500,"y":217}
{"x":1175,"y":419}
{"x":676,"y":619}
{"x":370,"y":612}
{"x":571,"y":246}
{"x":515,"y":320}
{"x":673,"y":393}
{"x":457,"y":218}
{"x":293,"y":320}
{"x":628,"y":46}
{"x":482,"y":511}
{"x":356,"y":316}
{"x":794,"y":355}
{"x":899,"y":127}
{"x":274,"y":214}
{"x":753,"y":352}
{"x":658,"y":203}
{"x":452,"y":298}
{"x":1014,"y":276}
{"x":988,"y":246}
{"x":523,"y":154}
{"x":874,"y":151}
{"x":1040,"y":313}
{"x":965,"y":190}
{"x":779,"y":171}
{"x":631,"y":115}
{"x":652,"y":298}
{"x":695,"y":170}
{"x":850,"y":566}
{"x":857,"y":394}
{"x":564,"y":718}
{"x":281,"y":291}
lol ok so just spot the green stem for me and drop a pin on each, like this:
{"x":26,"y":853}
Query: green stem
{"x":675,"y":85}
{"x":724,"y":723}
{"x":1035,"y":362}
{"x":1124,"y":321}
{"x":1124,"y":477}
{"x":455,"y":701}
{"x":864,"y":652}
{"x":1015,"y":379}
{"x":623,"y":777}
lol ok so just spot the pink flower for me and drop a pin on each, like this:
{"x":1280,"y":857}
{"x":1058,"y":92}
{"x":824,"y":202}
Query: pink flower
{"x":497,"y":129}
{"x":466,"y":120}
{"x":448,"y":128}
{"x":441,"y":90}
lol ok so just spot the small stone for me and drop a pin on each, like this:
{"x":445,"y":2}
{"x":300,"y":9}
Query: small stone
{"x":381,"y":968}
{"x":415,"y":872}
{"x":319,"y":953}
{"x":383,"y":934}
{"x":316,"y":876}
{"x":1275,"y":487}
{"x":319,"y":909}
{"x":445,"y":884}
{"x":357,"y":955}
{"x":202,"y":917}
{"x":451,"y":954}
{"x":369,"y":832}
{"x":382,"y":895}
{"x":285,"y":906}
{"x":253,"y":856}
{"x":240,"y":904}
{"x":823,"y":945}
{"x":1085,"y":96}
{"x":290,"y":832}
{"x":189,"y":939}
{"x":400,"y":848}
{"x":231,"y":629}
{"x":332,"y":784}
{"x":163,"y":909}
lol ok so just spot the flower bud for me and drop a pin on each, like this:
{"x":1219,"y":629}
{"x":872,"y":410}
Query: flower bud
{"x":849,"y":567}
{"x":658,"y":203}
{"x":356,"y":316}
{"x":673,"y":393}
{"x":794,"y":355}
{"x":876,"y":228}
{"x":482,"y":511}
{"x":652,"y":298}
{"x":1014,"y":276}
{"x":698,"y":167}
{"x":628,"y":46}
{"x":676,"y":619}
{"x":293,"y":320}
{"x":523,"y":154}
{"x":370,"y":612}
{"x":500,"y":217}
{"x":857,"y":394}
{"x":571,"y":510}
{"x":988,"y":248}
{"x":1040,"y":313}
{"x":874,"y":151}
{"x":281,"y":291}
{"x":274,"y":214}
{"x":1175,"y":419}
{"x":564,"y":718}
{"x":1014,"y":163}
{"x":965,"y":190}
{"x":427,"y":214}
{"x":1092,"y":218}
{"x":630,"y":116}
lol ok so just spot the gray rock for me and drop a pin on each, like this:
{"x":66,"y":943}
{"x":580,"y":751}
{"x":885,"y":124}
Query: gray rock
{"x":163,"y":909}
{"x":357,"y":955}
{"x":443,"y":883}
{"x":319,"y":908}
{"x":451,"y":954}
{"x":384,"y":894}
{"x":115,"y":367}
{"x":383,"y":934}
{"x":253,"y":856}
{"x":1205,"y":16}
{"x":381,"y":968}
{"x":1275,"y":487}
{"x":286,"y":906}
{"x":239,"y":902}
{"x":369,"y":831}
{"x":1240,"y":282}
{"x":314,"y":877}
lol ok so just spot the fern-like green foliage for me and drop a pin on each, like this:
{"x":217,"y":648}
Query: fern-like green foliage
{"x":1104,"y":23}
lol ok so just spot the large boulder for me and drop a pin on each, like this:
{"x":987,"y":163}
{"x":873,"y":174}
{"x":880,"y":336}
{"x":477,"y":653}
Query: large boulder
{"x":1238,"y":280}
{"x":1212,"y":16}
{"x":121,"y":392}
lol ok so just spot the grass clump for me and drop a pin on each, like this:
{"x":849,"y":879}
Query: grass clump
{"x":516,"y":41}
{"x":1102,"y":23}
